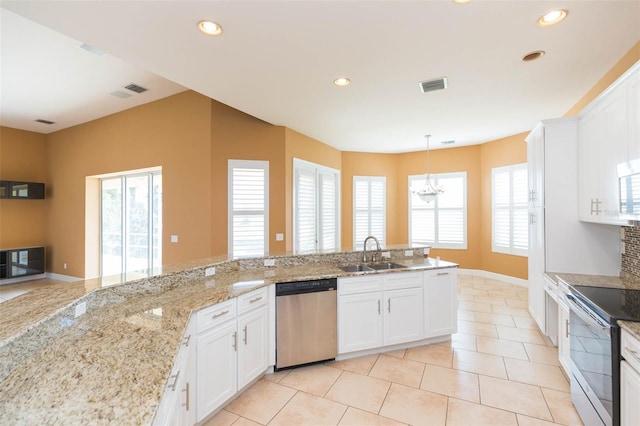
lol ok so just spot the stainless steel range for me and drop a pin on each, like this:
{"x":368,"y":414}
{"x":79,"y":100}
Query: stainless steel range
{"x":595,"y":349}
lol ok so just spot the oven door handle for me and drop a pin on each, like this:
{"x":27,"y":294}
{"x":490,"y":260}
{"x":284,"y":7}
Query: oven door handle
{"x":586,"y":314}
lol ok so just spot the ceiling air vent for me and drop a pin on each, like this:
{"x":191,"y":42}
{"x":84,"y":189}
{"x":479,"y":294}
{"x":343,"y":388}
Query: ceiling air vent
{"x":431,"y":85}
{"x":451,"y":142}
{"x":135,"y":88}
{"x":40,"y":120}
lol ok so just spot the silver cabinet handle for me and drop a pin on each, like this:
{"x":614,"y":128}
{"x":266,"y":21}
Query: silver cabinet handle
{"x":220,"y":314}
{"x":389,"y":305}
{"x":442,"y":273}
{"x":173,"y":385}
{"x":244,"y":339}
{"x":566,"y":328}
{"x":255,"y":300}
{"x":186,"y":399}
{"x":235,"y":341}
{"x":378,"y":306}
{"x":185,"y":341}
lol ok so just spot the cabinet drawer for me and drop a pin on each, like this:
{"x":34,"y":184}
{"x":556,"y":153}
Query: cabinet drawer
{"x":355,"y":285}
{"x":216,"y":314}
{"x":631,"y":349}
{"x":402,"y":280}
{"x":253,"y":300}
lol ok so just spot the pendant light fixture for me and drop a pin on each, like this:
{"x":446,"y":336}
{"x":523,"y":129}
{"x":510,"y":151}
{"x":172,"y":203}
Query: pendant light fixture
{"x":428,"y":192}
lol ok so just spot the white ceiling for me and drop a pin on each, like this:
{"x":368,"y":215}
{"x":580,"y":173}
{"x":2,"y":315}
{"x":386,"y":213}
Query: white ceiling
{"x":276,"y":60}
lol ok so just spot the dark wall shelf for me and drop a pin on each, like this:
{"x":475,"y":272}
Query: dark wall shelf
{"x":20,"y":262}
{"x":21,"y":190}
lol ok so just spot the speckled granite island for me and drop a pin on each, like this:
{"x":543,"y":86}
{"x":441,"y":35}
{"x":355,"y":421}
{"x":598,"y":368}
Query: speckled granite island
{"x":110,"y":364}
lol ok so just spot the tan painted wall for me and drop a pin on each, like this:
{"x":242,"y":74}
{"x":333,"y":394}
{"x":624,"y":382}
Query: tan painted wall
{"x":630,"y":58}
{"x":305,"y":148}
{"x":503,"y":152}
{"x":235,"y":135}
{"x":22,"y":158}
{"x":365,"y":164}
{"x":173,"y":133}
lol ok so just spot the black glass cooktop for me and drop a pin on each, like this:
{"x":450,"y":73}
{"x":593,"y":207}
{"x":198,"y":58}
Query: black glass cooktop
{"x":612,"y":303}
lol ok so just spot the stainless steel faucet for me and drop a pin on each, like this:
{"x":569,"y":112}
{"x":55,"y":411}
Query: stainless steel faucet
{"x":364,"y":252}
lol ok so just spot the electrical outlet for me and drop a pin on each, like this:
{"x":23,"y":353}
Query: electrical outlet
{"x":64,"y":266}
{"x":174,"y":238}
{"x":386,"y":255}
{"x":81,"y":309}
{"x":408,"y":253}
{"x":210,"y":271}
{"x":279,"y":237}
{"x":269,"y":262}
{"x":622,"y":247}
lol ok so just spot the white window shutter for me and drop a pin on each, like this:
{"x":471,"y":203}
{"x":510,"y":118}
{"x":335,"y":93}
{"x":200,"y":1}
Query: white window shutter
{"x":510,"y":233}
{"x":369,"y":209}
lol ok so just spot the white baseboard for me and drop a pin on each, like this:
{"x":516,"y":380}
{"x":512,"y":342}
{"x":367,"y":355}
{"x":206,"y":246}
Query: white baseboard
{"x":60,"y":277}
{"x":486,"y":274}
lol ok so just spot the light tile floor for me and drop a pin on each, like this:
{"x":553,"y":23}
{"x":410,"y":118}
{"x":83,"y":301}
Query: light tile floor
{"x":497,"y":370}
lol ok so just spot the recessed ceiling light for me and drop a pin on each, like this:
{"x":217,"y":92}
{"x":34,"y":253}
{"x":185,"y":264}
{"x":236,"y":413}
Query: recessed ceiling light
{"x":210,"y":28}
{"x":461,"y":1}
{"x":341,"y":81}
{"x":533,"y":56}
{"x":553,"y":17}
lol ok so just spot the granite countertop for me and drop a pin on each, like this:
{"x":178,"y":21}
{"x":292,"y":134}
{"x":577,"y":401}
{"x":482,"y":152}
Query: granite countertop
{"x":110,"y":364}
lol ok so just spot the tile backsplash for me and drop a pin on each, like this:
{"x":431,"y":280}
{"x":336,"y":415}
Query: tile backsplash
{"x":631,"y":256}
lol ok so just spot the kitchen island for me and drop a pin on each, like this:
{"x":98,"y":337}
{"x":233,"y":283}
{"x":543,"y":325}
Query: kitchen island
{"x":111,"y":364}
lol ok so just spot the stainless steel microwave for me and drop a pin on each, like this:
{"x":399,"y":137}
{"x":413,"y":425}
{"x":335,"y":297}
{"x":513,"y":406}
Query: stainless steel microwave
{"x":629,"y":186}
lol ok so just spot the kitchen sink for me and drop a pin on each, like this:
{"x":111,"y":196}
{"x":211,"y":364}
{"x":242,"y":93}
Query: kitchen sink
{"x":355,"y":268}
{"x":386,"y":265}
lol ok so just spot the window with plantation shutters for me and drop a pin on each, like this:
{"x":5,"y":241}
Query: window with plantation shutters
{"x":316,"y":226}
{"x":510,"y":227}
{"x":369,"y":209}
{"x":248,"y":208}
{"x":441,"y":223}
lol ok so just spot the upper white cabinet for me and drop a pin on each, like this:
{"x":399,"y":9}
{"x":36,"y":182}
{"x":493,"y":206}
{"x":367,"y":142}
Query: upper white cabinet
{"x":609,"y":134}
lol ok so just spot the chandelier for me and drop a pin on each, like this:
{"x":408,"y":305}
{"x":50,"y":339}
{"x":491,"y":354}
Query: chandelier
{"x":428,"y":192}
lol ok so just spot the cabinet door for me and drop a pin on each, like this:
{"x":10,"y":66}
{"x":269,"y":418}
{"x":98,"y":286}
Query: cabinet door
{"x":440,"y":302}
{"x":536,"y":264}
{"x":614,"y":148}
{"x":403,"y":315}
{"x":589,"y":203}
{"x":253,"y":357}
{"x":535,"y":167}
{"x":563,"y":337}
{"x":216,"y":368}
{"x":359,"y":322}
{"x":629,"y":395}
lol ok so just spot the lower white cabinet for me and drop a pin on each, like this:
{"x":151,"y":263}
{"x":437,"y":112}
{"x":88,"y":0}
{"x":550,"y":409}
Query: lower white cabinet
{"x":177,"y":403}
{"x":391,"y":309}
{"x":563,"y":336}
{"x":231,"y":349}
{"x":629,"y":395}
{"x":440,"y":302}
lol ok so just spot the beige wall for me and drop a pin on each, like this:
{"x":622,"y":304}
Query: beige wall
{"x":173,"y":133}
{"x":22,"y":158}
{"x":192,"y":138}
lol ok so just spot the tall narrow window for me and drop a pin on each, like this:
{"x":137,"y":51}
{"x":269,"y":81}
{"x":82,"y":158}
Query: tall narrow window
{"x":248,"y":208}
{"x":316,"y":225}
{"x":509,"y":213}
{"x":131,"y":222}
{"x":369,"y":209}
{"x":441,"y":223}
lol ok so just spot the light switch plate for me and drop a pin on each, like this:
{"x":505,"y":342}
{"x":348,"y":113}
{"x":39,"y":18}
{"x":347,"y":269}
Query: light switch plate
{"x":174,"y":238}
{"x":279,"y":236}
{"x":408,"y":253}
{"x":81,"y":309}
{"x":386,"y":255}
{"x":210,"y":271}
{"x":269,"y":262}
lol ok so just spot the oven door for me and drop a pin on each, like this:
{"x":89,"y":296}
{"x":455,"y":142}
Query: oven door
{"x":591,"y":363}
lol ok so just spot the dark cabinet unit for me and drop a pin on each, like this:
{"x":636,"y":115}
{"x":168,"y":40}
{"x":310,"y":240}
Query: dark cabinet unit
{"x":24,"y":190}
{"x":21,"y":262}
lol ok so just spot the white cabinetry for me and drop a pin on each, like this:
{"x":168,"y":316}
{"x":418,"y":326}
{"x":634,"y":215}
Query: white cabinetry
{"x":558,"y":241}
{"x":440,"y":302}
{"x":563,"y":329}
{"x":609,"y":134}
{"x":231,"y":348}
{"x":382,"y":310}
{"x":176,"y":405}
{"x":630,"y":380}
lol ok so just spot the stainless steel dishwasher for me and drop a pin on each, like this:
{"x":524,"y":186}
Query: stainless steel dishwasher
{"x":306,"y":322}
